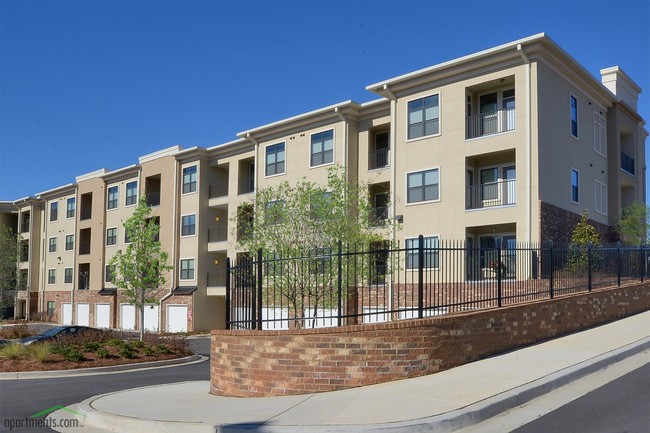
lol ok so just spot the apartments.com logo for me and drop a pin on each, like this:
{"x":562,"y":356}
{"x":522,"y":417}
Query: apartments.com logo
{"x":40,"y":420}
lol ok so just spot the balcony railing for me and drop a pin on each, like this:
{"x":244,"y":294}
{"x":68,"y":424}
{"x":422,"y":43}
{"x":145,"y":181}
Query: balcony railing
{"x":494,"y":122}
{"x":378,"y":215}
{"x":86,"y":213}
{"x":153,"y":198}
{"x":216,"y":279}
{"x":379,"y":158}
{"x":218,"y":190}
{"x":246,"y":185}
{"x":500,"y":193}
{"x":627,"y":163}
{"x":218,"y":234}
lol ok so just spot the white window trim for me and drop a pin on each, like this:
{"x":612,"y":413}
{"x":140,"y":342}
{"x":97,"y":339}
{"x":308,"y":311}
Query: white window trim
{"x":597,"y":192}
{"x":180,"y":269}
{"x":195,"y":225}
{"x":577,"y":136}
{"x":65,"y":245}
{"x":196,"y":191}
{"x":604,"y":119}
{"x":423,"y":237}
{"x":137,"y":193}
{"x":117,"y":232}
{"x":48,"y":277}
{"x":410,"y":140}
{"x":285,"y":159}
{"x":118,"y":197}
{"x":71,"y":282}
{"x":406,"y":187}
{"x":74,"y":213}
{"x":309,"y":156}
{"x":571,"y":186}
{"x":56,"y":246}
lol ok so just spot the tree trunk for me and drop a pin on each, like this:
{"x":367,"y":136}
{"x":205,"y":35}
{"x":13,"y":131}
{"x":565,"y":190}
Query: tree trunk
{"x":142,"y":307}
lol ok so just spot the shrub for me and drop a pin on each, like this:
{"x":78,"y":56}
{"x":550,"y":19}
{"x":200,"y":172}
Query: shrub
{"x":73,"y":354}
{"x":147,"y":351}
{"x":163,"y":348}
{"x":137,"y":344}
{"x":115,"y":342}
{"x":40,"y":351}
{"x":102,"y":353}
{"x":13,"y":351}
{"x":91,"y":346}
{"x":15,"y":331}
{"x":126,"y":352}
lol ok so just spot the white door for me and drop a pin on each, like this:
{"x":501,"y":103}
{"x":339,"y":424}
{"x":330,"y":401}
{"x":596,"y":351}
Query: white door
{"x":66,"y":313}
{"x":83,"y":314}
{"x":151,"y":318}
{"x":102,"y":315}
{"x":127,"y":316}
{"x":177,"y":318}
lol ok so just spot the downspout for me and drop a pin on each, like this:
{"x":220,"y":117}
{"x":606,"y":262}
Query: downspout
{"x":393,"y":178}
{"x":529,"y":197}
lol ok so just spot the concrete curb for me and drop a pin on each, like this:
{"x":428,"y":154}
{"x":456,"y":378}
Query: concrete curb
{"x":50,"y":374}
{"x":443,"y":423}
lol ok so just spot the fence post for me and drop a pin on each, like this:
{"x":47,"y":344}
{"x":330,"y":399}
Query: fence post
{"x":551,"y":254}
{"x":589,"y":275}
{"x":618,"y":264}
{"x":420,"y":276}
{"x":228,"y":292}
{"x":641,"y":262}
{"x":340,"y":282}
{"x":257,"y":300}
{"x":498,"y":267}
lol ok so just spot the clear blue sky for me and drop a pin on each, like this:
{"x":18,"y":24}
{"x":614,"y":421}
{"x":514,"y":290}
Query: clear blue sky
{"x":92,"y":84}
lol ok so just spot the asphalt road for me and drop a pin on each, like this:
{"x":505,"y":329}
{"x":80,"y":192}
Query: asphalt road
{"x":20,"y":399}
{"x":620,"y":406}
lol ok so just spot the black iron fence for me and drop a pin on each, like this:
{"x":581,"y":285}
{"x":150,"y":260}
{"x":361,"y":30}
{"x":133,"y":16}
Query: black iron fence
{"x":345,"y":285}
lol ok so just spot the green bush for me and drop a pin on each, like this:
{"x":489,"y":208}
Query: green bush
{"x":137,"y":344}
{"x":102,"y":353}
{"x":163,"y":348}
{"x":13,"y":351}
{"x":73,"y":354}
{"x":147,"y":351}
{"x":40,"y":351}
{"x":126,"y":352}
{"x":91,"y":346}
{"x":116,"y":342}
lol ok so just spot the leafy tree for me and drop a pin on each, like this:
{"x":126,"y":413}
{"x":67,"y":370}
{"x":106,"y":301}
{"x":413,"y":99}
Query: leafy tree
{"x":304,"y":222}
{"x":9,"y":250}
{"x":634,"y":224}
{"x":140,"y":270}
{"x":583,"y":236}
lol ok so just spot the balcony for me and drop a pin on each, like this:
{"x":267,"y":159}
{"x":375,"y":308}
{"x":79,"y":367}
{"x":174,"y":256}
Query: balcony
{"x":246,"y":185}
{"x":218,"y":190}
{"x":494,"y":122}
{"x":378,"y":158}
{"x":153,"y":199}
{"x":379,"y":214}
{"x":218,"y":239}
{"x":627,"y":163}
{"x":491,"y":194}
{"x":216,"y":284}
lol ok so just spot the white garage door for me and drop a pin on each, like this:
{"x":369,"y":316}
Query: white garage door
{"x":177,"y":318}
{"x":83,"y":314}
{"x":102,"y":315}
{"x":127,"y":316}
{"x":66,"y":313}
{"x":151,"y":318}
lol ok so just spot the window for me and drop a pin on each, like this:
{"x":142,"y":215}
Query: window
{"x":320,"y":204}
{"x":275,"y":159}
{"x":273,"y":212}
{"x":423,"y":186}
{"x":70,"y":208}
{"x":430,"y":252}
{"x":67,"y":275}
{"x":575,"y":186}
{"x":189,"y":179}
{"x":111,"y":236}
{"x":109,"y":273}
{"x":52,"y":247}
{"x":574,"y":116}
{"x":187,"y":269}
{"x":131,"y":193}
{"x":51,"y":276}
{"x":601,"y":198}
{"x":322,"y":148}
{"x":600,"y":134}
{"x":127,"y":239}
{"x":54,"y":211}
{"x":69,"y":242}
{"x":51,"y":306}
{"x":111,"y":199}
{"x":424,"y":117}
{"x":188,"y":225}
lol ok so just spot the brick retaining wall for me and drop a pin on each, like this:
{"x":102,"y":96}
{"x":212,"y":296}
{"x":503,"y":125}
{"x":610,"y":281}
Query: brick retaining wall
{"x":300,"y":361}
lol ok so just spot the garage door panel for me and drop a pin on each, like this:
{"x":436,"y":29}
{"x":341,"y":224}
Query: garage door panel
{"x":66,"y":313}
{"x":102,"y":315}
{"x":151,"y":318}
{"x":127,"y":317}
{"x":83,"y":314}
{"x":177,"y":318}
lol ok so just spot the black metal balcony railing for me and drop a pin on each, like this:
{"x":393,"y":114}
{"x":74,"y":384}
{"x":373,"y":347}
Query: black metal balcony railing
{"x":500,"y":193}
{"x":153,"y":198}
{"x":86,"y":213}
{"x":379,"y":158}
{"x":246,"y":185}
{"x":218,"y":190}
{"x":218,"y":234}
{"x":491,"y":123}
{"x":216,"y":279}
{"x":627,"y":163}
{"x":378,"y":215}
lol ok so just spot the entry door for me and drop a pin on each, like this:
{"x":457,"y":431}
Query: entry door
{"x":488,"y":111}
{"x":66,"y":313}
{"x":83,"y":314}
{"x":510,"y":185}
{"x":102,"y":315}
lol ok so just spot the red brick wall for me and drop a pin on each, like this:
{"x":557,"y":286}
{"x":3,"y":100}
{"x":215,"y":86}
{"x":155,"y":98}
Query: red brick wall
{"x":299,"y":361}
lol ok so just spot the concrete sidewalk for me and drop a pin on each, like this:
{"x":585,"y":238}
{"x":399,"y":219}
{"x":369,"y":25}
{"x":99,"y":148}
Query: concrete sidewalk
{"x":441,"y":402}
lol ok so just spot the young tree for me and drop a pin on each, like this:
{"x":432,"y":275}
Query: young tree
{"x":304,"y":222}
{"x":634,"y":224}
{"x":9,"y":249}
{"x":584,"y":235}
{"x":140,"y":270}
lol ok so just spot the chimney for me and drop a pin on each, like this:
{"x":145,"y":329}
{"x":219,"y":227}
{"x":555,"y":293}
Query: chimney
{"x":621,"y":85}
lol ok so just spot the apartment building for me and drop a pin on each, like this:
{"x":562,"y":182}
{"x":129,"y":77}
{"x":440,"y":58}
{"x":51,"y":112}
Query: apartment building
{"x":508,"y":145}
